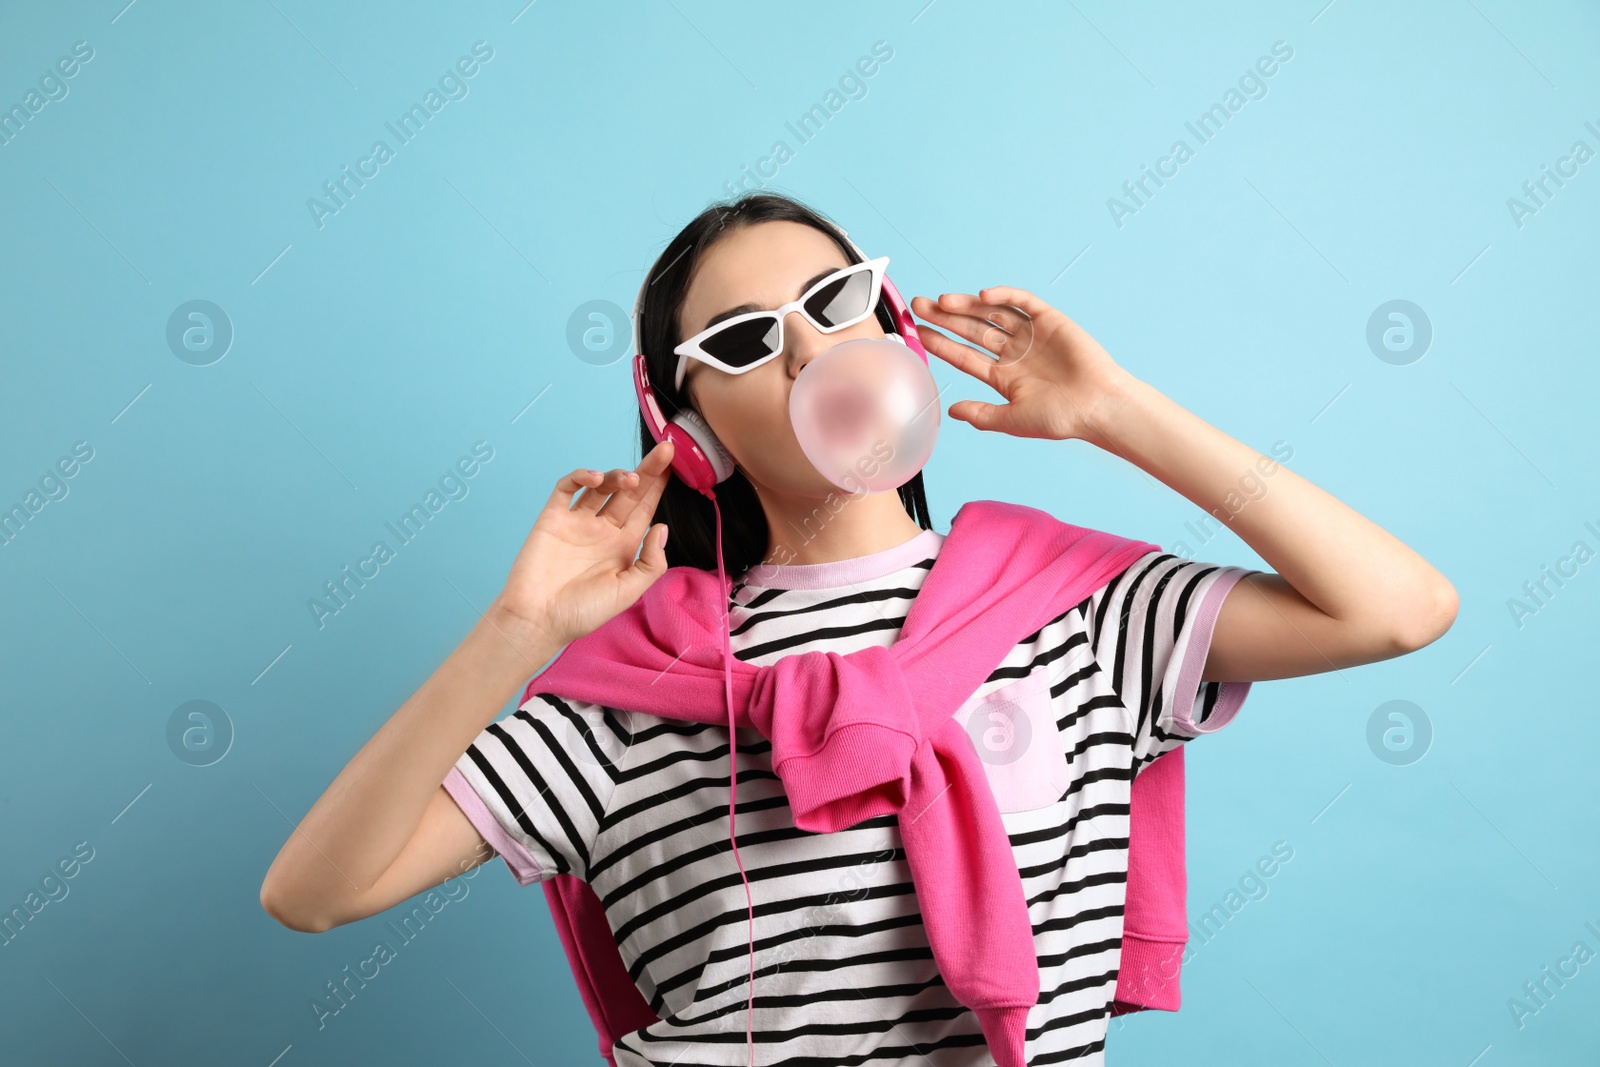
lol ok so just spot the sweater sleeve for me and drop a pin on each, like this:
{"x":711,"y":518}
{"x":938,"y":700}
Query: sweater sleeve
{"x":1151,"y":627}
{"x":537,"y":784}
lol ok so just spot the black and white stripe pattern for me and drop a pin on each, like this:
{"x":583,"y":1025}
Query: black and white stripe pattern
{"x":637,"y":805}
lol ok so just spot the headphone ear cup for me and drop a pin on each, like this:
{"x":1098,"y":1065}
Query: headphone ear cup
{"x":698,"y":458}
{"x":905,"y":326}
{"x":708,"y":462}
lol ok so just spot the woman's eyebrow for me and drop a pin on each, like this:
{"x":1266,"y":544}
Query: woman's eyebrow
{"x":744,"y":308}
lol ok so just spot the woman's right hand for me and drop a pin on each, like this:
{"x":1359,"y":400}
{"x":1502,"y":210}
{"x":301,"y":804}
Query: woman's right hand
{"x":577,"y":569}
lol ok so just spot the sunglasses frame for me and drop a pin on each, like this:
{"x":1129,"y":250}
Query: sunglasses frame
{"x":691,"y":349}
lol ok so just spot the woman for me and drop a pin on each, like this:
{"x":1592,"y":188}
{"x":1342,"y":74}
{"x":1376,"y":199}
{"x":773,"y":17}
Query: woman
{"x":637,"y":805}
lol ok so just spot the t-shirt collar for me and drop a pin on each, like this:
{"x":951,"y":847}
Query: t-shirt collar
{"x":844,"y":572}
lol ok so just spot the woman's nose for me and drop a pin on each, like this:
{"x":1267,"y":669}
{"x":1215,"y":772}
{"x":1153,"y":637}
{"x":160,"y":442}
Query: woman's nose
{"x":802,"y":342}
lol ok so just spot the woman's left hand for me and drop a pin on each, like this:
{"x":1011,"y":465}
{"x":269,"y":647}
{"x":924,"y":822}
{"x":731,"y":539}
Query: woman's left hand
{"x":1052,"y":373}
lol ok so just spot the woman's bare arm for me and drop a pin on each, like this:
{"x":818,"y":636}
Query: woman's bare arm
{"x":1345,"y":591}
{"x":385,"y":829}
{"x":366,"y":844}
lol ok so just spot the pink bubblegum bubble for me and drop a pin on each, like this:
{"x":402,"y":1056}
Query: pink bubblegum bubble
{"x":866,"y":413}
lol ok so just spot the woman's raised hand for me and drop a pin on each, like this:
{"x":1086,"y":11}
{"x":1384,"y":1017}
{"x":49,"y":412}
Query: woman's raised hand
{"x":577,"y":568}
{"x":1054,"y":376}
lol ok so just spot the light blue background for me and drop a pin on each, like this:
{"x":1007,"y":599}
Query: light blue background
{"x":369,"y":354}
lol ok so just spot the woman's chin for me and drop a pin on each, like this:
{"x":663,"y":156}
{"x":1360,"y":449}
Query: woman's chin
{"x":809,"y":484}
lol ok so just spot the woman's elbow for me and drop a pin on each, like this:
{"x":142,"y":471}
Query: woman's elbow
{"x":276,"y":904}
{"x":1431,"y":620}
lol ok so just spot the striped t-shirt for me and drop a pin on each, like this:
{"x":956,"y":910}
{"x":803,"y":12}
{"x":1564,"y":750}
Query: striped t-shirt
{"x":637,"y":806}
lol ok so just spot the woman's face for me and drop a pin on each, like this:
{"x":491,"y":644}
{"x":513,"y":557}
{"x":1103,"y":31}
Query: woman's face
{"x":757,"y":268}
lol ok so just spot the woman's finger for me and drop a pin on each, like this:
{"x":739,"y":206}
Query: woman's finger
{"x":946,"y":307}
{"x":650,"y":564}
{"x":1005,"y":316}
{"x":946,"y":315}
{"x":1006,"y":294}
{"x":614,"y":480}
{"x":995,"y":329}
{"x":637,"y":501}
{"x":609,"y":507}
{"x":962,"y":357}
{"x":984,"y":416}
{"x":569,"y":485}
{"x":657,"y":470}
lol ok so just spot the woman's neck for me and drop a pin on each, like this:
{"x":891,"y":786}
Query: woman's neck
{"x":843,"y":526}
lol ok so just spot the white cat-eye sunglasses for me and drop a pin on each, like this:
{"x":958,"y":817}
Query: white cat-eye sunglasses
{"x":744,"y":342}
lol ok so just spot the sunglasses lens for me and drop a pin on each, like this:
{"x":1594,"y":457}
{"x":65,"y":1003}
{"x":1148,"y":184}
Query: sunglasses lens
{"x":839,"y":302}
{"x":842,"y":300}
{"x":743,"y":343}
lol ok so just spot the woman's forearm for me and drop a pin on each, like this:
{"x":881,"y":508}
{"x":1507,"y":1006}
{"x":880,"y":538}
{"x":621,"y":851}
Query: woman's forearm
{"x":1348,"y":566}
{"x":367,"y":814}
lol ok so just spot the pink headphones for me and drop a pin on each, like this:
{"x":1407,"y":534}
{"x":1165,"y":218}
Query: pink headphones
{"x":698,"y":457}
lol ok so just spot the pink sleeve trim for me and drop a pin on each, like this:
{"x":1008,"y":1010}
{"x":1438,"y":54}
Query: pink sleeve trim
{"x":524,"y":868}
{"x":1230,"y":695}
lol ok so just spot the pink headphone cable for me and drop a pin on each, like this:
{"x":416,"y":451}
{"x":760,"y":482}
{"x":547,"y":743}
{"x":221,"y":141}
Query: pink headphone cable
{"x":727,"y":681}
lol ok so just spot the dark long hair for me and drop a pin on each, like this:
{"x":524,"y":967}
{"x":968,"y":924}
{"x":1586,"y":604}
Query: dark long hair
{"x":687,"y":513}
